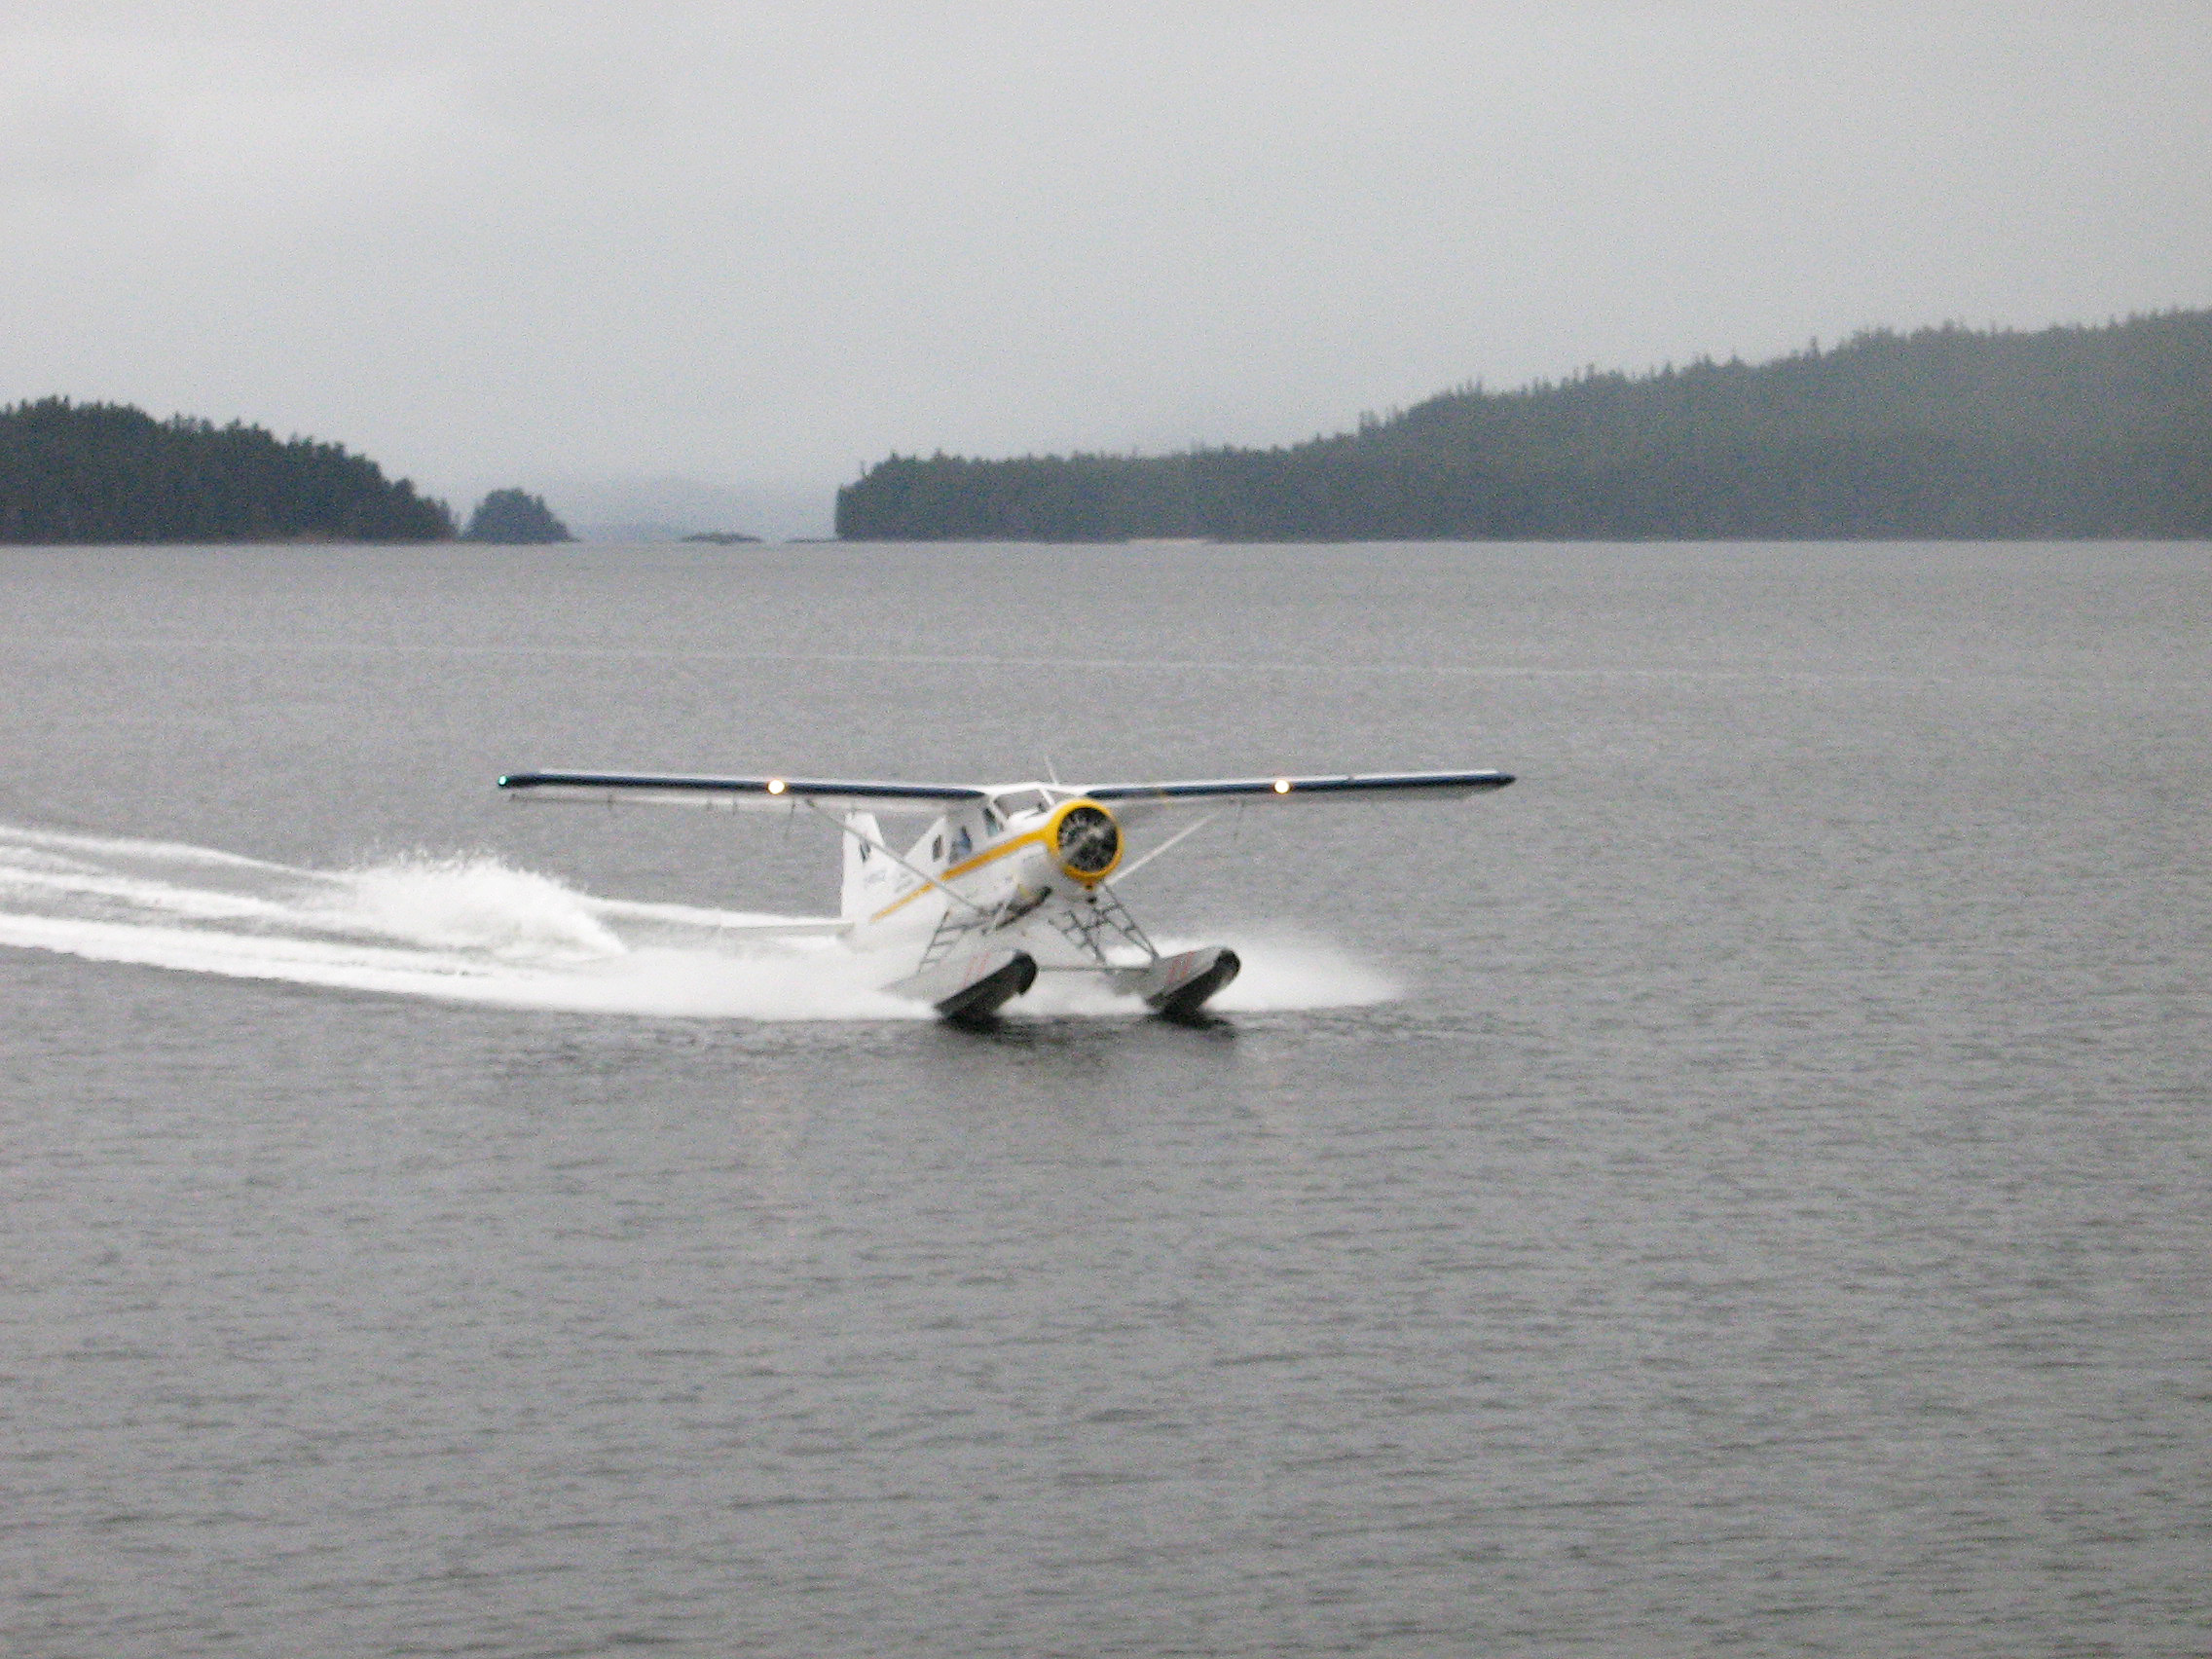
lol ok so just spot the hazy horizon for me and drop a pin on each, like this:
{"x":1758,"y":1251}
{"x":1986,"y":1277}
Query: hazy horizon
{"x":703,"y":265}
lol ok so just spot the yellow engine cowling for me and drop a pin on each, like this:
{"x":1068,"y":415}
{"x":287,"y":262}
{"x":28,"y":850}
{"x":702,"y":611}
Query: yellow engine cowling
{"x":1084,"y":842}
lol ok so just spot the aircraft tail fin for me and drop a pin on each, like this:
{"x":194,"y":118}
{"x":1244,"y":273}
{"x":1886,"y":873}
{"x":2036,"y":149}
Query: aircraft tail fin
{"x":868,"y":873}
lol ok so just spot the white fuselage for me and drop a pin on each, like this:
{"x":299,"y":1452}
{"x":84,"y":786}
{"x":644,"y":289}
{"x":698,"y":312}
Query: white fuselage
{"x":1025,"y":864}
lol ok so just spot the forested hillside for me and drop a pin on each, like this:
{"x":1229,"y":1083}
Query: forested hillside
{"x":1946,"y":433}
{"x":108,"y":472}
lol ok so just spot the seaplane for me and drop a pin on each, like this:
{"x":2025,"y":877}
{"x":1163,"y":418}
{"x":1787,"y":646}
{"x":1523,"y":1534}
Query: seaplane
{"x":1007,"y":881}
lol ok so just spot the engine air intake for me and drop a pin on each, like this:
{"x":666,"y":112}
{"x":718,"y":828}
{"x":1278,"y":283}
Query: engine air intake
{"x":1086,"y":842}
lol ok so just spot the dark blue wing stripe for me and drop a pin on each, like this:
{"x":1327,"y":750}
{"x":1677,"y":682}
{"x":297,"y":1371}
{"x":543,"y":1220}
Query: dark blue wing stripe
{"x":668,"y":783}
{"x":1372,"y":783}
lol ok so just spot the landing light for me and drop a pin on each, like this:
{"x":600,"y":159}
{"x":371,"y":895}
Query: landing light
{"x":775,"y":785}
{"x":1282,"y":786}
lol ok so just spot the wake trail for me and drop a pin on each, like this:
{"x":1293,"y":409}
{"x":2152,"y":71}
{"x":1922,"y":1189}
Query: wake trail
{"x":475,"y":929}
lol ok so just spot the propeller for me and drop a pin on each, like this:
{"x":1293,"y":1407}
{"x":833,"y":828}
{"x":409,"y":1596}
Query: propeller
{"x":1089,"y":841}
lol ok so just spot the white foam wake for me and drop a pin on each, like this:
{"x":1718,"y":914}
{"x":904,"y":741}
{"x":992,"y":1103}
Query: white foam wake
{"x":477,"y":930}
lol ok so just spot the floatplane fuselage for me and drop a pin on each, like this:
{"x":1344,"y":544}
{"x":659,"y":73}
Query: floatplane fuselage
{"x":1009,"y":880}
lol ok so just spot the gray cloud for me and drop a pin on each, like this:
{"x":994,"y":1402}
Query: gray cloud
{"x":754,"y":246}
{"x":84,"y":141}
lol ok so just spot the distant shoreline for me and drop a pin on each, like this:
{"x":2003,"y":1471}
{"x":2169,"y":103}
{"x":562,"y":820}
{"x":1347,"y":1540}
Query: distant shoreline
{"x":2084,"y":434}
{"x":1162,"y":544}
{"x":103,"y":473}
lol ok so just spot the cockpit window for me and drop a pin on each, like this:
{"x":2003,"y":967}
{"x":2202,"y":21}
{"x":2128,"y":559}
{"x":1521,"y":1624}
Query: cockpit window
{"x":1015,"y":802}
{"x":990,"y":822}
{"x":962,"y":846}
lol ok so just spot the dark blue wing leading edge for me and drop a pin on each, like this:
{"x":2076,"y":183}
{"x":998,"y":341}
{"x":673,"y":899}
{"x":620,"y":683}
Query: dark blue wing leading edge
{"x":1432,"y":786}
{"x":705,"y":791}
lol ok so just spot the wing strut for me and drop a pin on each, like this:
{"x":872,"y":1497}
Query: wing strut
{"x":848,"y":830}
{"x":1123,"y":875}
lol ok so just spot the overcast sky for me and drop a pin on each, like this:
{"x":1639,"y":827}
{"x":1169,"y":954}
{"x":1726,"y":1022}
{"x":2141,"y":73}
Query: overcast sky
{"x":581,"y":247}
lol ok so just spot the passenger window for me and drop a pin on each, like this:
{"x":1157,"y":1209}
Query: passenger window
{"x":936,"y":849}
{"x":962,"y":846}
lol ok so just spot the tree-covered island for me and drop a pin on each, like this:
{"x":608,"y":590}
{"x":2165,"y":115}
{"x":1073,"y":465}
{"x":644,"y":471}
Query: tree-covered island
{"x":516,"y":518}
{"x":84,"y":472}
{"x":1943,"y":433}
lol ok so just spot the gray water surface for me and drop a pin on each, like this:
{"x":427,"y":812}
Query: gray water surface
{"x":1743,"y":1189}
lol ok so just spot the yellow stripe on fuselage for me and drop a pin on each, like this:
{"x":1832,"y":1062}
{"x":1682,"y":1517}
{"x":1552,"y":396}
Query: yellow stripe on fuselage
{"x":989,"y":853}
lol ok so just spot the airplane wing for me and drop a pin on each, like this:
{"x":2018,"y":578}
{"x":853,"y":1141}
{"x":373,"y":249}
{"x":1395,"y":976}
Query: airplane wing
{"x":738,"y":795}
{"x":1145,"y":798}
{"x":767,"y":794}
